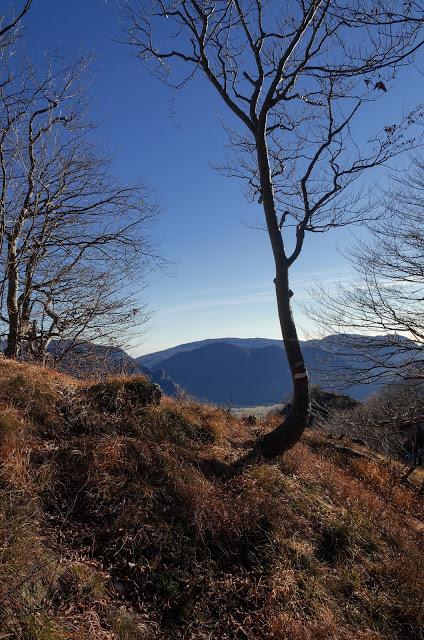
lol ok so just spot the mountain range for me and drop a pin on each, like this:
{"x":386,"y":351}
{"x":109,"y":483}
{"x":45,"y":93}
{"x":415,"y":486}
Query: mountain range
{"x":253,"y":371}
{"x":241,"y":372}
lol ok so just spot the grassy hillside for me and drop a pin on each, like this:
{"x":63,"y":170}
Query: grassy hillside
{"x":109,"y":528}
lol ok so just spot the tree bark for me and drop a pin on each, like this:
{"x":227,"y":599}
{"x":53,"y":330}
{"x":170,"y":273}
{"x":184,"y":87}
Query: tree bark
{"x":290,"y":430}
{"x":12,"y":346}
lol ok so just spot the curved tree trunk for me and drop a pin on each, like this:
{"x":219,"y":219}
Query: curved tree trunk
{"x":289,"y":432}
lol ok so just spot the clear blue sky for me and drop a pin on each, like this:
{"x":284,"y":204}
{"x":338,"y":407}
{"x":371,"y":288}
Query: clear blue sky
{"x":221,"y":281}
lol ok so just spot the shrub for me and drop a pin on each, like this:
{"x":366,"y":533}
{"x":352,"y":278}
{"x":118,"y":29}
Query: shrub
{"x":122,"y":393}
{"x":384,"y":422}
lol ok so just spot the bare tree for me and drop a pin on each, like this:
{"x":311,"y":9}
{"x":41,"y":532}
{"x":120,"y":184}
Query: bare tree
{"x":9,"y":26}
{"x":379,"y":318}
{"x":72,"y":236}
{"x":295,"y":76}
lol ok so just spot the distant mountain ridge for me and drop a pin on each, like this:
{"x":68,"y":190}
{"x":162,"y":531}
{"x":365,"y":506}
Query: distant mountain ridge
{"x":253,"y":371}
{"x":242,"y":372}
{"x":151,"y":360}
{"x":226,"y":373}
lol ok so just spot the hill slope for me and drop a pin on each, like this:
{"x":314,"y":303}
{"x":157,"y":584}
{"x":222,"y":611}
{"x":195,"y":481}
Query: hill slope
{"x":110,"y":530}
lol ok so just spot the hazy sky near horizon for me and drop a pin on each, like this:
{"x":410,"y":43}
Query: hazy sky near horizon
{"x":220,"y":280}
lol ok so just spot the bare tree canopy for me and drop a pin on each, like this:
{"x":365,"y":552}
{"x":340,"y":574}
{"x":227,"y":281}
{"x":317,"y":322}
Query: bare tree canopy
{"x":9,"y":25}
{"x":295,"y":76}
{"x":74,"y":241}
{"x":387,"y":296}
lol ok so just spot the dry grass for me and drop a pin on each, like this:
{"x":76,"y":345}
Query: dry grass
{"x":110,"y":529}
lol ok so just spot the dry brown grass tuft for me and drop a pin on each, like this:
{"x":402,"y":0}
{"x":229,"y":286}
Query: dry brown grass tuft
{"x":34,"y":391}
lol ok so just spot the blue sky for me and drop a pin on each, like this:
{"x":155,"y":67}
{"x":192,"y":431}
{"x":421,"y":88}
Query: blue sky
{"x":220,"y":283}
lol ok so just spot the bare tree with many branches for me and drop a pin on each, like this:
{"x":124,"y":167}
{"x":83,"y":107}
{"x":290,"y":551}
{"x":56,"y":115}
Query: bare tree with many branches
{"x":295,"y":76}
{"x":379,"y":317}
{"x":72,"y":237}
{"x":10,"y":25}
